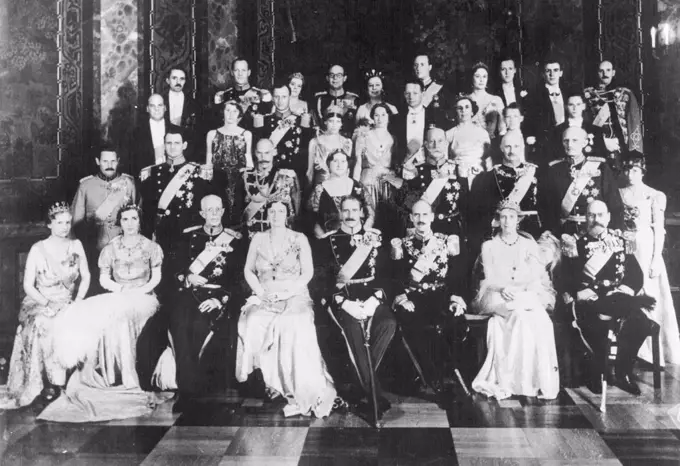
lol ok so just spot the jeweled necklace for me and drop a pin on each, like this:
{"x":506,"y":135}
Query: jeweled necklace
{"x":509,"y":243}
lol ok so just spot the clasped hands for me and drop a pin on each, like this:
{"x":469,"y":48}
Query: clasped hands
{"x":456,"y":305}
{"x":361,"y":310}
{"x":209,"y":305}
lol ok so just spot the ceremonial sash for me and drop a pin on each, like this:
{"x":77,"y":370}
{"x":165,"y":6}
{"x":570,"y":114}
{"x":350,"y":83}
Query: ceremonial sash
{"x":424,"y":262}
{"x":175,"y":183}
{"x":434,"y":189}
{"x":522,"y":186}
{"x":210,"y":252}
{"x":252,"y":208}
{"x":113,"y":200}
{"x":578,"y":185}
{"x":602,"y":116}
{"x":355,"y":261}
{"x":430,"y":92}
{"x":278,"y":134}
{"x":598,"y":260}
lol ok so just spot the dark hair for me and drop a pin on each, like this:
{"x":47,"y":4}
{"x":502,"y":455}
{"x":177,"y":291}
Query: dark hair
{"x":223,"y":105}
{"x":550,"y":59}
{"x":176,"y":68}
{"x":423,"y":53}
{"x":571,"y":94}
{"x":107,"y":148}
{"x":381,"y":105}
{"x":506,"y":58}
{"x":634,"y":159}
{"x":238,"y":59}
{"x":475,"y":107}
{"x":335,"y":152}
{"x":128,"y":208}
{"x":173,"y":129}
{"x":478,"y":66}
{"x":57,"y":208}
{"x":416,"y":82}
{"x":327,"y":115}
{"x":362,"y":203}
{"x":513,"y":106}
{"x":279,"y":84}
{"x":328,"y":71}
{"x":269,"y":205}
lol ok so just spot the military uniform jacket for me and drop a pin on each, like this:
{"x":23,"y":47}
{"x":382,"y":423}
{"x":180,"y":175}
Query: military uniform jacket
{"x":222,"y":267}
{"x":602,"y":264}
{"x":448,"y":201}
{"x":424,"y":265}
{"x":348,"y":102}
{"x":96,"y":205}
{"x":363,"y":283}
{"x":252,"y":100}
{"x":556,"y":181}
{"x":291,"y":149}
{"x":182,"y":211}
{"x":441,"y":102}
{"x":624,"y":121}
{"x":501,"y":182}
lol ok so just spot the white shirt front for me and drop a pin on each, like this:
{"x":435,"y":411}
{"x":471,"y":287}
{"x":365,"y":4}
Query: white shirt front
{"x":157,"y":132}
{"x":176,"y":104}
{"x":575,"y":123}
{"x":509,"y":94}
{"x":557,"y":101}
{"x":415,"y":124}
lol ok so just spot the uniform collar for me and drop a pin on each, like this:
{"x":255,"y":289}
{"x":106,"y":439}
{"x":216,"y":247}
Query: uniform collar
{"x":283,"y":115}
{"x":177,"y":162}
{"x":354,"y":231}
{"x":101,"y":176}
{"x":579,"y":161}
{"x":338,"y":93}
{"x":427,"y":81}
{"x":423,"y":238}
{"x":215,"y":231}
{"x":438,"y":164}
{"x":244,"y":87}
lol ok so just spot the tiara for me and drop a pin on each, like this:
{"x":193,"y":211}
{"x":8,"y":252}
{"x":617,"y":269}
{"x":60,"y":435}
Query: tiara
{"x":334,"y":110}
{"x":508,"y":204}
{"x":480,"y":64}
{"x":131,"y":206}
{"x":634,"y":162}
{"x":58,"y":208}
{"x":298,"y":76}
{"x":372,"y":73}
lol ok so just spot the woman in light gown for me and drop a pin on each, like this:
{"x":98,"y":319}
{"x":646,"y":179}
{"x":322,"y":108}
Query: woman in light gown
{"x":276,"y":332}
{"x":324,"y":144}
{"x":326,"y":199}
{"x":56,"y":274}
{"x":229,"y":150}
{"x":469,"y":142}
{"x":644,"y":210}
{"x":515,"y":291}
{"x":297,"y":105}
{"x":376,"y":94}
{"x":490,"y":107}
{"x":98,"y":336}
{"x":374,"y":150}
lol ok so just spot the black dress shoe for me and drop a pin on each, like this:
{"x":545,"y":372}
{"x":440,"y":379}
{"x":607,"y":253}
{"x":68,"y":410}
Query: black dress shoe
{"x":626,"y":383}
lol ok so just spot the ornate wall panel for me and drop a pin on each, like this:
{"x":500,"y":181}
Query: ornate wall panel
{"x":222,"y":41}
{"x":172,"y":36}
{"x":265,"y":42}
{"x":620,"y":39}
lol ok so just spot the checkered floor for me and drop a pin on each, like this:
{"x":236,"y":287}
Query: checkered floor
{"x":229,"y":430}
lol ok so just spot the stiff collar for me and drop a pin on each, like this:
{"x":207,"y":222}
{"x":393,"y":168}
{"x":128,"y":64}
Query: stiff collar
{"x":102,"y":176}
{"x":243,"y":87}
{"x":283,"y":115}
{"x":181,"y":160}
{"x":353,"y":231}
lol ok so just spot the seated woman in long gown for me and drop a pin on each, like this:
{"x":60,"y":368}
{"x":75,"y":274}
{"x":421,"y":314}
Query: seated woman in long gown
{"x":276,"y":332}
{"x":515,"y":290}
{"x":326,"y":198}
{"x":56,"y":274}
{"x":322,"y":145}
{"x":644,"y":215}
{"x":469,"y":142}
{"x":490,"y":107}
{"x":99,"y":335}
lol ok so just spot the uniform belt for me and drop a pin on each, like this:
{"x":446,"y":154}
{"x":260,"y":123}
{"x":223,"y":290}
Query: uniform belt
{"x":574,"y":218}
{"x":429,"y":286}
{"x":529,"y":212}
{"x":356,"y":281}
{"x":444,"y":217}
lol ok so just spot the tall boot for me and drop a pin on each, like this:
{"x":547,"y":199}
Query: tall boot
{"x":634,"y":331}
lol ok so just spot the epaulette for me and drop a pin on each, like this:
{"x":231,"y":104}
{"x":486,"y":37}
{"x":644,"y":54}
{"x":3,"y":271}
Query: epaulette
{"x":350,"y":93}
{"x":441,"y":236}
{"x":529,"y":164}
{"x":596,"y":159}
{"x":286,"y":172}
{"x":328,"y":234}
{"x":233,"y":233}
{"x":555,"y":162}
{"x":190,"y":229}
{"x":145,"y":172}
{"x":320,"y":93}
{"x":373,"y":230}
{"x":86,"y":178}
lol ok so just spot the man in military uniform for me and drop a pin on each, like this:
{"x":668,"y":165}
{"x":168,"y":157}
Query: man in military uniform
{"x":358,"y":297}
{"x":170,"y":195}
{"x":289,"y":133}
{"x":615,"y":109}
{"x":428,"y":304}
{"x":264,"y":184}
{"x":576,"y":106}
{"x":96,"y":205}
{"x":435,"y":95}
{"x":606,"y":279}
{"x":567,"y":187}
{"x":514,"y":179}
{"x":336,"y":95}
{"x":209,"y":262}
{"x":253,"y":100}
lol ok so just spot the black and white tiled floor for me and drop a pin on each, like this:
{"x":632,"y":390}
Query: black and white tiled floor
{"x":228,"y":430}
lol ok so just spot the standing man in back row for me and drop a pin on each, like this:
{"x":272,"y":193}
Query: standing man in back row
{"x":336,"y":95}
{"x":435,"y":96}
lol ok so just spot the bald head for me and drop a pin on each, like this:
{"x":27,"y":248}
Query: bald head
{"x":597,"y":217}
{"x":574,"y":140}
{"x":212,"y":210}
{"x":512,"y":146}
{"x":422,"y":216}
{"x":436,"y":143}
{"x":606,"y":73}
{"x":211,"y":200}
{"x":264,"y":153}
{"x":155,"y":107}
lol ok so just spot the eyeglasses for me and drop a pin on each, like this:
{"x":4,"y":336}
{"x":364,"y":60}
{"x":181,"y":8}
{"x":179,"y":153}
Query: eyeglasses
{"x":213,"y":210}
{"x":335,"y":75}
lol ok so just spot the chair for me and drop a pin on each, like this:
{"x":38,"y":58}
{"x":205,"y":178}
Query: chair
{"x":478,"y":325}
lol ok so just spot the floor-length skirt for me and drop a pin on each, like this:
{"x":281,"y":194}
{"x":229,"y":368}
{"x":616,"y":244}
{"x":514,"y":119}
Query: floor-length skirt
{"x":280,"y":339}
{"x":99,"y":336}
{"x":664,"y":311}
{"x":521,"y":358}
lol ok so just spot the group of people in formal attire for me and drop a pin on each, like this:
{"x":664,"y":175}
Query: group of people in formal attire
{"x":243,"y":224}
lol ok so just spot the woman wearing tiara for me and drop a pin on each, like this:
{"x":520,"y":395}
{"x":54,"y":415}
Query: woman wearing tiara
{"x":56,"y":275}
{"x":324,"y":144}
{"x":98,"y":336}
{"x":644,"y":216}
{"x":295,"y":82}
{"x":376,"y":94}
{"x":490,"y":107}
{"x":515,"y":291}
